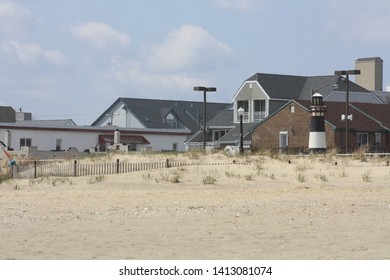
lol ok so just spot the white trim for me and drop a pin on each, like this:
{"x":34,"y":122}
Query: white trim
{"x":250,"y":82}
{"x":280,"y":139}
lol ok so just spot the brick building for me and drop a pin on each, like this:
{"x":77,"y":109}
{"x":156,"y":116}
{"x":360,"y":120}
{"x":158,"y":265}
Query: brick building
{"x":288,"y":128}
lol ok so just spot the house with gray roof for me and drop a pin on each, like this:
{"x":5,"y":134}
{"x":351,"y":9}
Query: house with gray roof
{"x":262,"y":94}
{"x":159,"y":115}
{"x":288,"y":128}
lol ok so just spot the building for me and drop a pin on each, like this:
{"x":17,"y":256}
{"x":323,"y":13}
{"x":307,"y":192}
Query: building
{"x":54,"y":141}
{"x":157,"y":125}
{"x":264,"y":94}
{"x":152,"y":114}
{"x":371,"y":73}
{"x":287,"y":129}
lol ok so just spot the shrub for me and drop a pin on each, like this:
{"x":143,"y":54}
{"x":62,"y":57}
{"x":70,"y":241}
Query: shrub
{"x":209,"y":180}
{"x":366,"y":176}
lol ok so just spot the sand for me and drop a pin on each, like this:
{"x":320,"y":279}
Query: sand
{"x":262,"y":208}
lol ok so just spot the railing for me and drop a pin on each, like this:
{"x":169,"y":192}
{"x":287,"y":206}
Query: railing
{"x":257,"y":117}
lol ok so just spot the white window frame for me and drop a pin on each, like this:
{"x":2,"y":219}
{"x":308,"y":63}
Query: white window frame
{"x":281,"y":135}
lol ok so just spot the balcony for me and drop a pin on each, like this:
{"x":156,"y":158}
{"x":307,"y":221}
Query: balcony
{"x":257,"y":117}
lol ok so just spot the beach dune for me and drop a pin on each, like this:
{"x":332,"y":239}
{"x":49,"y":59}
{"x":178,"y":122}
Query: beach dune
{"x":258,"y":208}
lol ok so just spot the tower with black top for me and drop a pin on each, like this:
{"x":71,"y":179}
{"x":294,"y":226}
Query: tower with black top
{"x":317,"y":138}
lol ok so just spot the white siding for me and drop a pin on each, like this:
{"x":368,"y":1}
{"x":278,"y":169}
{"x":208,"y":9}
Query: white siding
{"x":45,"y":140}
{"x":120,"y":118}
{"x":165,"y":142}
{"x":250,"y":91}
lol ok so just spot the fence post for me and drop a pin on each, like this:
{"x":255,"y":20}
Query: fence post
{"x":75,"y":168}
{"x":167,"y":164}
{"x":35,"y":169}
{"x":117,"y":166}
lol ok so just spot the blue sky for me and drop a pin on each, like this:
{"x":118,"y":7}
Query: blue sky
{"x":74,"y":58}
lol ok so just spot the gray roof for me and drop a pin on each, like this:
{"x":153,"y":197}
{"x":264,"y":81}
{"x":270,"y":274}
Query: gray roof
{"x":361,"y":97}
{"x":376,"y":58}
{"x":383,"y":95}
{"x":7,"y":114}
{"x":280,"y":86}
{"x":223,"y":119}
{"x":300,"y":87}
{"x":233,"y":136}
{"x":65,"y":122}
{"x":151,"y":112}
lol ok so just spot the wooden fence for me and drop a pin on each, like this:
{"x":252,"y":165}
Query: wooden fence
{"x":38,"y":169}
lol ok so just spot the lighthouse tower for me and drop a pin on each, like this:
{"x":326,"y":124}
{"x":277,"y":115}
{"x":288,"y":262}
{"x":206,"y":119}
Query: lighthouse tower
{"x":317,"y":139}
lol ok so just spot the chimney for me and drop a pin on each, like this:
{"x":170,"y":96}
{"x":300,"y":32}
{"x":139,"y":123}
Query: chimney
{"x":371,"y":76}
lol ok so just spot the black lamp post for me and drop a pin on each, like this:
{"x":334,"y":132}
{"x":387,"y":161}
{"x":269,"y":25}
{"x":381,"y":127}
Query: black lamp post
{"x":204,"y":89}
{"x":347,"y":73}
{"x":241,"y":112}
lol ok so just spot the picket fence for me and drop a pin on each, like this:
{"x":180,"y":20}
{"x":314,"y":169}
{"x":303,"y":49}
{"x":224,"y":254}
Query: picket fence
{"x":38,"y":169}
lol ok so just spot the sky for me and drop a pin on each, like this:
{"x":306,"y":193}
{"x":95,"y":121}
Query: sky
{"x":62,"y":59}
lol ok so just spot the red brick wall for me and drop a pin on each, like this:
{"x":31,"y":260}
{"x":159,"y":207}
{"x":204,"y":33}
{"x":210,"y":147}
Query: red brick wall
{"x":297,"y":125}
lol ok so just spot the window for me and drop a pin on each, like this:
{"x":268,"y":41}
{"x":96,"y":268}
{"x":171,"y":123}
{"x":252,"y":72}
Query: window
{"x":361,"y":139}
{"x":259,"y":113}
{"x":217,"y":134}
{"x":171,"y":121}
{"x":244,"y":104}
{"x":283,"y":139}
{"x":174,"y":146}
{"x":25,"y":142}
{"x":378,"y":140}
{"x":259,"y":105}
{"x":292,"y":109}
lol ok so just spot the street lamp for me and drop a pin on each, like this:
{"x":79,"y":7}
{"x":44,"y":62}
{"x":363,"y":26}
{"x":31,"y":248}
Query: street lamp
{"x":204,"y":89}
{"x":241,"y":112}
{"x":346,"y":73}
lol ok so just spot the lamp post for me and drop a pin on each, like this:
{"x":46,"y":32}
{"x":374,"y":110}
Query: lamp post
{"x":205,"y":90}
{"x":346,"y":73}
{"x":241,"y":112}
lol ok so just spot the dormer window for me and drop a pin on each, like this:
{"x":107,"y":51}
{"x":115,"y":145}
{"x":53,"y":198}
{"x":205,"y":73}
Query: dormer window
{"x":171,"y":121}
{"x":244,"y":104}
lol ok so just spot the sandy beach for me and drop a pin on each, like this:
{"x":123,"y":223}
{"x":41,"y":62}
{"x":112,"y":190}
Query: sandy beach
{"x":258,"y":208}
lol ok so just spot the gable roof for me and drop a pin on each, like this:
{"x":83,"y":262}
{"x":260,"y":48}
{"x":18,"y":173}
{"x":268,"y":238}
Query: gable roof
{"x":289,"y":87}
{"x":280,"y":86}
{"x":362,"y":119}
{"x":151,"y":112}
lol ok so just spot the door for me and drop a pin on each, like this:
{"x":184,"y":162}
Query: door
{"x":283,"y":140}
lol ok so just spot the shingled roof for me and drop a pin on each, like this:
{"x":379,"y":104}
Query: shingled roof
{"x":151,"y":112}
{"x":289,"y":87}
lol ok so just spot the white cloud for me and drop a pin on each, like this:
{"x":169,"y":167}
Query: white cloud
{"x":101,"y":35}
{"x":188,"y":47}
{"x":364,"y":21}
{"x":15,"y":20}
{"x":30,"y":53}
{"x":129,"y":73}
{"x":241,"y":5}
